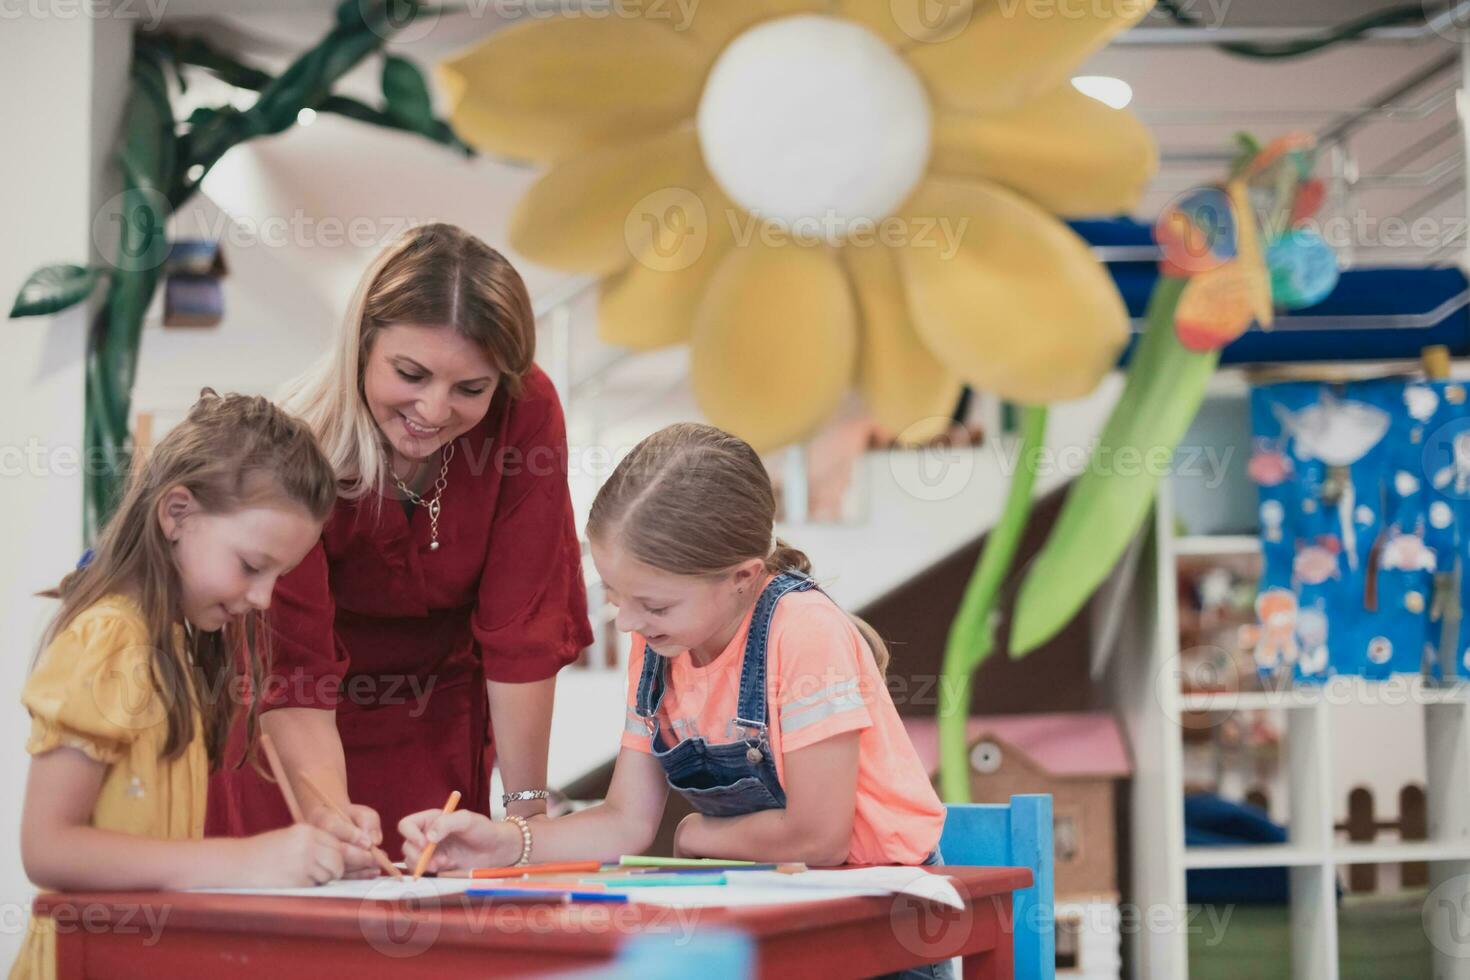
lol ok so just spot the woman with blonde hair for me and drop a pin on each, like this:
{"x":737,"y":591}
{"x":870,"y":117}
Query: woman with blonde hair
{"x":446,"y":590}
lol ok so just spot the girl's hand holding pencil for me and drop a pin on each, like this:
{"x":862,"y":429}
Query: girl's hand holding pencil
{"x":354,"y":825}
{"x":311,"y":850}
{"x":297,"y":856}
{"x":462,"y":839}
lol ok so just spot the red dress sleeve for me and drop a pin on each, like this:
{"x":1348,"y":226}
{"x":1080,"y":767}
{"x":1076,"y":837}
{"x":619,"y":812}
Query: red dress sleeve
{"x":530,"y":619}
{"x":307,"y":664}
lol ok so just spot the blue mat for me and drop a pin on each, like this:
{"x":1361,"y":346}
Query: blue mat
{"x":1310,"y":334}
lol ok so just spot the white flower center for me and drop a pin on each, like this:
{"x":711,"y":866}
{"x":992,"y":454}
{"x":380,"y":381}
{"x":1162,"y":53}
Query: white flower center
{"x":814,"y":124}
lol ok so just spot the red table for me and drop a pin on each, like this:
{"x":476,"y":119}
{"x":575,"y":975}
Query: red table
{"x":154,"y":935}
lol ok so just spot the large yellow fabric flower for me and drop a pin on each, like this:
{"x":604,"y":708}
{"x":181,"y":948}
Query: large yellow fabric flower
{"x":688,"y":142}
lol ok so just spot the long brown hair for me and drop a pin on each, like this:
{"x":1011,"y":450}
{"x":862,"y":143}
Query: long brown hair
{"x":436,"y":274}
{"x":692,"y":499}
{"x":230,"y":452}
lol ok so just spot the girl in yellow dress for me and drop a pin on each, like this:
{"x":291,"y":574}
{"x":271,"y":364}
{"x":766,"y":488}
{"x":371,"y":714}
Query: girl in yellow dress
{"x":135,"y":687}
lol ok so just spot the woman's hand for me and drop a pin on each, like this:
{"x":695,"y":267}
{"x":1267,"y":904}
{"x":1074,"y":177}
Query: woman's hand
{"x":296,"y":856}
{"x":363,"y":831}
{"x":464,"y":839}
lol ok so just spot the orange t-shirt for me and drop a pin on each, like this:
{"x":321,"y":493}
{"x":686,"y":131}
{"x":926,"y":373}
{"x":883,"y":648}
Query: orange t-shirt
{"x":821,"y":681}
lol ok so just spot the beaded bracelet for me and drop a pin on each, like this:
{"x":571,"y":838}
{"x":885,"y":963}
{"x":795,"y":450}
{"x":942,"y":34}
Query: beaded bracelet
{"x":525,"y":827}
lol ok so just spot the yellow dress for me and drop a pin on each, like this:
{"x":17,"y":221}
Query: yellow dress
{"x":92,"y":690}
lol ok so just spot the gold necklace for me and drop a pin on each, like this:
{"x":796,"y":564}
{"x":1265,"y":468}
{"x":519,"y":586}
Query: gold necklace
{"x":433,"y":503}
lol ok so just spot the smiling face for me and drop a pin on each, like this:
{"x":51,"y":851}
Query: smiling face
{"x":426,"y":386}
{"x":228,"y":563}
{"x":675,"y":613}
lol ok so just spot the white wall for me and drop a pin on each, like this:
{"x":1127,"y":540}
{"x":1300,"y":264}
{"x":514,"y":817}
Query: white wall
{"x":64,"y":79}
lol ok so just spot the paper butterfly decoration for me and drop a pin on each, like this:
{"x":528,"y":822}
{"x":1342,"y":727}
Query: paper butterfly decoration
{"x":1212,"y":236}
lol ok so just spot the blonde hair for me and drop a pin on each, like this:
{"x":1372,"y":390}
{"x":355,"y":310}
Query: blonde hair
{"x":692,"y":499}
{"x":436,"y":274}
{"x":230,"y":452}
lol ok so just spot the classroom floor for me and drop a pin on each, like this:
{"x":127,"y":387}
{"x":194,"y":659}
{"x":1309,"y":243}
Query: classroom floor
{"x":1380,"y":937}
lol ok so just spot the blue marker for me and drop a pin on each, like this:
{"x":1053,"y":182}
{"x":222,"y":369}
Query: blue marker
{"x":546,"y":895}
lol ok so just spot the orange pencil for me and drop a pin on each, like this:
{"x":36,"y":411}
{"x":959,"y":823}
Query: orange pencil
{"x":377,"y":852}
{"x":418,"y":869}
{"x":279,"y":772}
{"x":525,"y":870}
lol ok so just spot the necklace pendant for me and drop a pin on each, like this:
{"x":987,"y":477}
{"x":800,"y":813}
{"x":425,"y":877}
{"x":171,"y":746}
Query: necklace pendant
{"x":433,"y":546}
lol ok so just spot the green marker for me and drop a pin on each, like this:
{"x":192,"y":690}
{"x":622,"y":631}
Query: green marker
{"x":659,"y":881}
{"x":641,"y":861}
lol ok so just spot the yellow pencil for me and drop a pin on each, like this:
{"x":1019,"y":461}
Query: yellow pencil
{"x":418,"y":869}
{"x":279,"y":772}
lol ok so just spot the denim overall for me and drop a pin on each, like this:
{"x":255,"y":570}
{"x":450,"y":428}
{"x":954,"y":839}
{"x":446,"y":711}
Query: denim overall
{"x":730,"y":779}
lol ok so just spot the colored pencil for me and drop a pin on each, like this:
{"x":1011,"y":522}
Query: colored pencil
{"x":418,"y":869}
{"x":549,"y":895}
{"x":525,"y":870}
{"x":660,"y":881}
{"x":641,"y":861}
{"x":377,"y":852}
{"x":676,"y":865}
{"x":792,"y":868}
{"x":546,"y":884}
{"x":278,"y":772}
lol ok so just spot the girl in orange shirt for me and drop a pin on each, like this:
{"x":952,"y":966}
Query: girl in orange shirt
{"x":750,"y":693}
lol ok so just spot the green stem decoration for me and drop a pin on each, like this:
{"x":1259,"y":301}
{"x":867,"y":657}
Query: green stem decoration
{"x":1109,"y":503}
{"x":972,"y":635}
{"x":163,"y":161}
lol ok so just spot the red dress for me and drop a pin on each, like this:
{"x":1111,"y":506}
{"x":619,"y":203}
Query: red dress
{"x":401,"y":639}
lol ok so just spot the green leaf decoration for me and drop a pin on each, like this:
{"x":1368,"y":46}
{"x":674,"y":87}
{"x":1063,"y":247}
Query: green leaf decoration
{"x":972,"y":634}
{"x":406,"y":94}
{"x":1247,"y":148}
{"x":156,"y":157}
{"x":53,"y":288}
{"x":1110,"y":501}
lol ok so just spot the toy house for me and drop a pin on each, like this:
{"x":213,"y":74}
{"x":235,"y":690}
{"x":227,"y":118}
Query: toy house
{"x":1079,"y":758}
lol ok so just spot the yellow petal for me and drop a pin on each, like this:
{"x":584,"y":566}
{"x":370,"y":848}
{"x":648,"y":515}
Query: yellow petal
{"x":775,"y":342}
{"x":541,"y":89}
{"x":1064,"y":150}
{"x":904,"y":386}
{"x":903,"y":22}
{"x":652,"y":304}
{"x":717,"y":22}
{"x":588,"y":214}
{"x":1019,"y":308}
{"x":1015,"y":50}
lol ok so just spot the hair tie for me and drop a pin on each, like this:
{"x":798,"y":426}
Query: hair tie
{"x":771,"y":552}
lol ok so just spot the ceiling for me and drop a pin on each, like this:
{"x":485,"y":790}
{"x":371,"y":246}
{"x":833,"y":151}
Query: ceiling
{"x":1193,"y":96}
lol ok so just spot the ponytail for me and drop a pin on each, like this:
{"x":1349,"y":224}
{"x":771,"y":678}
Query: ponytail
{"x":785,"y":558}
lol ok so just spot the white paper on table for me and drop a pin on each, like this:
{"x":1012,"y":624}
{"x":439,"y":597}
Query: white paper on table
{"x":731,"y":896}
{"x":383,"y":889}
{"x":885,"y":880}
{"x":743,"y":888}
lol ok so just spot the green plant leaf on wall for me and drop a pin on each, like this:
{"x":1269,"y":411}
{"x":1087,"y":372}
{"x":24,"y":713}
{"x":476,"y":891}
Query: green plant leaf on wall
{"x":406,"y":94}
{"x":1110,"y":501}
{"x":53,"y":288}
{"x":157,"y":158}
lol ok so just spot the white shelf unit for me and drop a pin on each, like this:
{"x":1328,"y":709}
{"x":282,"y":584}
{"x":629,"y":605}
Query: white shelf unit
{"x":1142,"y":676}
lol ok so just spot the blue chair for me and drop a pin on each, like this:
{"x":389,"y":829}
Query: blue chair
{"x":1016,"y":834}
